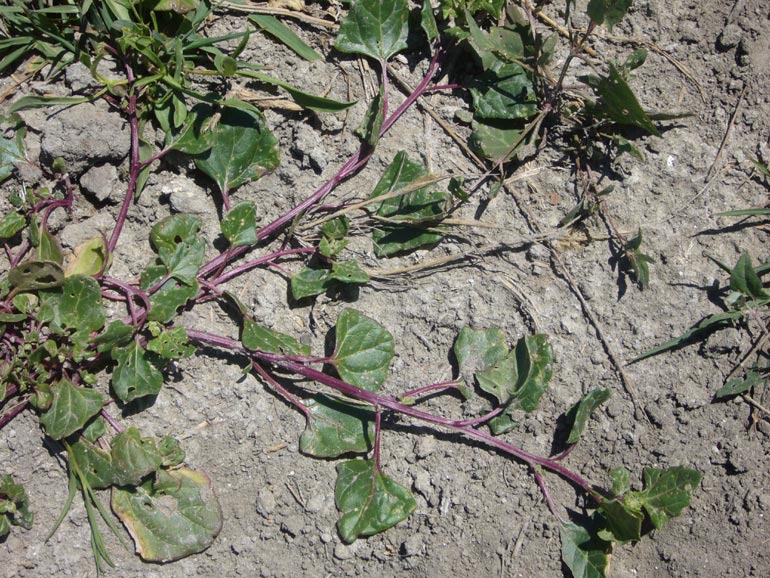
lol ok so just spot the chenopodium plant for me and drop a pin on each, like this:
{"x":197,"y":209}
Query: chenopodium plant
{"x":59,"y":344}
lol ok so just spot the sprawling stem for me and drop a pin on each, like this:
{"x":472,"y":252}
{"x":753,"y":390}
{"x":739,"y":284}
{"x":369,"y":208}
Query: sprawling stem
{"x":387,"y":402}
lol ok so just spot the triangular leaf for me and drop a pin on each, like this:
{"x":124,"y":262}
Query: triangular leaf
{"x":363,"y":351}
{"x":667,"y":492}
{"x":71,"y":408}
{"x":479,"y":349}
{"x":243,"y":149}
{"x":744,"y":278}
{"x":583,"y":554}
{"x":133,"y":457}
{"x":376,"y":28}
{"x":259,"y":338}
{"x":134,"y":376}
{"x":239,"y":225}
{"x":369,"y":501}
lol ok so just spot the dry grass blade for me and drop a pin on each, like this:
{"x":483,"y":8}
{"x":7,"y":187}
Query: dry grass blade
{"x":262,"y":8}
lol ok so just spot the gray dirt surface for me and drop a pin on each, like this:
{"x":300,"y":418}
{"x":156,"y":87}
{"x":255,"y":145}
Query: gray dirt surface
{"x":479,"y":513}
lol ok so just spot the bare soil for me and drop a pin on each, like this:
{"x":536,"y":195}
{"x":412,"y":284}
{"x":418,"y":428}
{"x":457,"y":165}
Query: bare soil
{"x":479,"y":514}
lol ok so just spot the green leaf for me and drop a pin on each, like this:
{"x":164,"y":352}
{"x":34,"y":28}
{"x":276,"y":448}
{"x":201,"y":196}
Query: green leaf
{"x":171,"y":453}
{"x":133,"y":457}
{"x":477,"y":350}
{"x":739,"y":385}
{"x":428,"y":21}
{"x":48,"y":248}
{"x":336,"y":427}
{"x":667,"y":492}
{"x":500,"y":380}
{"x":179,"y":248}
{"x":375,"y":28}
{"x":304,"y":99}
{"x":170,"y":297}
{"x":744,"y":278}
{"x":619,"y":104}
{"x":89,"y":258}
{"x":81,"y":307}
{"x":583,"y":554}
{"x":582,"y":410}
{"x":171,"y":344}
{"x":192,"y":137}
{"x":134,"y":376}
{"x":336,"y":228}
{"x":369,"y":501}
{"x":14,"y":494}
{"x":116,"y":334}
{"x":176,"y":516}
{"x":309,"y":282}
{"x":608,"y":12}
{"x":93,"y":462}
{"x":28,"y":102}
{"x":622,"y":523}
{"x":407,"y":215}
{"x":363,"y":350}
{"x":493,"y":141}
{"x":504,"y":94}
{"x":371,"y":125}
{"x":71,"y":408}
{"x":258,"y":338}
{"x":12,"y":149}
{"x":239,"y":225}
{"x":534,"y":361}
{"x":243,"y":149}
{"x":700,"y":330}
{"x":620,"y":482}
{"x":284,"y":34}
{"x":12,"y":222}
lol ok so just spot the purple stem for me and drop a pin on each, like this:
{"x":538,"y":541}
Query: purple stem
{"x":264,"y":260}
{"x":546,"y":494}
{"x":110,"y":420}
{"x":392,"y":404}
{"x":285,"y":393}
{"x":12,"y":413}
{"x":444,"y":385}
{"x":359,"y":159}
{"x":133,"y":119}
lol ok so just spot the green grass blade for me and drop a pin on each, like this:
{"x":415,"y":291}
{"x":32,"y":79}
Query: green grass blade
{"x":283,"y":33}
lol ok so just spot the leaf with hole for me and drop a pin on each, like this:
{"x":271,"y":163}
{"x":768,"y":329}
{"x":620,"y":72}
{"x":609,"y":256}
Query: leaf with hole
{"x":310,"y":282}
{"x":242,"y":150}
{"x":134,"y":376}
{"x":71,"y":408}
{"x":369,"y":502}
{"x":169,"y":518}
{"x":375,"y":28}
{"x":171,"y":344}
{"x":363,"y":350}
{"x":335,"y":427}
